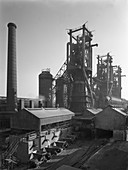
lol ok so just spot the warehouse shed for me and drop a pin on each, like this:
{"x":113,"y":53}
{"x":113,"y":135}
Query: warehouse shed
{"x":38,"y":128}
{"x":91,"y":112}
{"x":85,"y":123}
{"x":87,"y":117}
{"x":35,"y":119}
{"x":111,"y":121}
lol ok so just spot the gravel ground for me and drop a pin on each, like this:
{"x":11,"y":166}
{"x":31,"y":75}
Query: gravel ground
{"x":68,"y":156}
{"x":110,"y":157}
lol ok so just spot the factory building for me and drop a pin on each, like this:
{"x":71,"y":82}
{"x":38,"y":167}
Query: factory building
{"x":33,"y":129}
{"x":40,"y":119}
{"x":84,"y":124}
{"x":38,"y":127}
{"x":111,"y":122}
{"x":5,"y":115}
{"x":30,"y":128}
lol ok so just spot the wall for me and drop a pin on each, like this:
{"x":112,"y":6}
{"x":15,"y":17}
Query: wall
{"x":119,"y":135}
{"x":65,"y":132}
{"x":88,"y":114}
{"x":24,"y":120}
{"x":52,"y":135}
{"x":110,"y":119}
{"x":50,"y":120}
{"x":48,"y":137}
{"x":24,"y":151}
{"x":5,"y":118}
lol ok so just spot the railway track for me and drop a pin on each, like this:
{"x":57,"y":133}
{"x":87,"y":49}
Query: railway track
{"x":79,"y":157}
{"x":91,"y":150}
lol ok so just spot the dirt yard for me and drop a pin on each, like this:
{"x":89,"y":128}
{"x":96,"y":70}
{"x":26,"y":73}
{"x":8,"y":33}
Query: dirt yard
{"x":110,"y":157}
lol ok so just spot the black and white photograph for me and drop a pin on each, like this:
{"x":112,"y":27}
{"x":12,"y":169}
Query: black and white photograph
{"x":64,"y":84}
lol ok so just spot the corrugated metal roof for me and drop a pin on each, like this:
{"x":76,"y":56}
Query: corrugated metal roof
{"x":94,"y":111}
{"x":90,"y":116}
{"x":49,"y":112}
{"x":120,"y":111}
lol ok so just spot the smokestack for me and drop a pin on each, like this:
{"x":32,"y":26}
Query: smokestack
{"x":11,"y":69}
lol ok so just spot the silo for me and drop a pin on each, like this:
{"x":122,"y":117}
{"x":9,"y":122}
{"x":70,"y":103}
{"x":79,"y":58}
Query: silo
{"x":60,"y":92}
{"x":11,"y":68}
{"x":45,"y":88}
{"x":78,"y":98}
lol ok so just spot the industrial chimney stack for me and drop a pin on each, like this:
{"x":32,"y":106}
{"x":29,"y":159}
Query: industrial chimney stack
{"x":11,"y":69}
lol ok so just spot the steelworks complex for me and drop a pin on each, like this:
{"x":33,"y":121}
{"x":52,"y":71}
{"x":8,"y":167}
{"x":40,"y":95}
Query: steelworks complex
{"x":72,"y":105}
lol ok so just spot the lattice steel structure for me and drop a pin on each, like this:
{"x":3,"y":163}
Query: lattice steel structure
{"x":73,"y":86}
{"x":107,"y":83}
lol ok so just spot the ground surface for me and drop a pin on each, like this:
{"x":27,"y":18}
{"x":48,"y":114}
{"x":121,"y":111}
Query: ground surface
{"x":91,"y":155}
{"x":69,"y":156}
{"x":75,"y":155}
{"x":110,"y":157}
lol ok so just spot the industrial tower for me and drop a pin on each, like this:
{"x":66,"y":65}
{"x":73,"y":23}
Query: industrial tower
{"x":11,"y":69}
{"x":73,"y":81}
{"x":106,"y":84}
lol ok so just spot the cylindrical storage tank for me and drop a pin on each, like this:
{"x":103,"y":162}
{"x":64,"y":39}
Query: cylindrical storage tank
{"x":78,"y":98}
{"x":21,"y":104}
{"x":11,"y":68}
{"x":60,"y":92}
{"x":45,"y":87}
{"x":31,"y":103}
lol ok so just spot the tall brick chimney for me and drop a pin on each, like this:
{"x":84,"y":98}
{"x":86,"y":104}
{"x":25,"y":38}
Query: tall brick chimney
{"x":11,"y":69}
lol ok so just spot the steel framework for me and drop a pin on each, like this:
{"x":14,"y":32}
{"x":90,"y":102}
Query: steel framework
{"x":107,"y":83}
{"x":73,"y":81}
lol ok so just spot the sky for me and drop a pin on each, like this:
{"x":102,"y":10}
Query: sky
{"x":41,"y":36}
